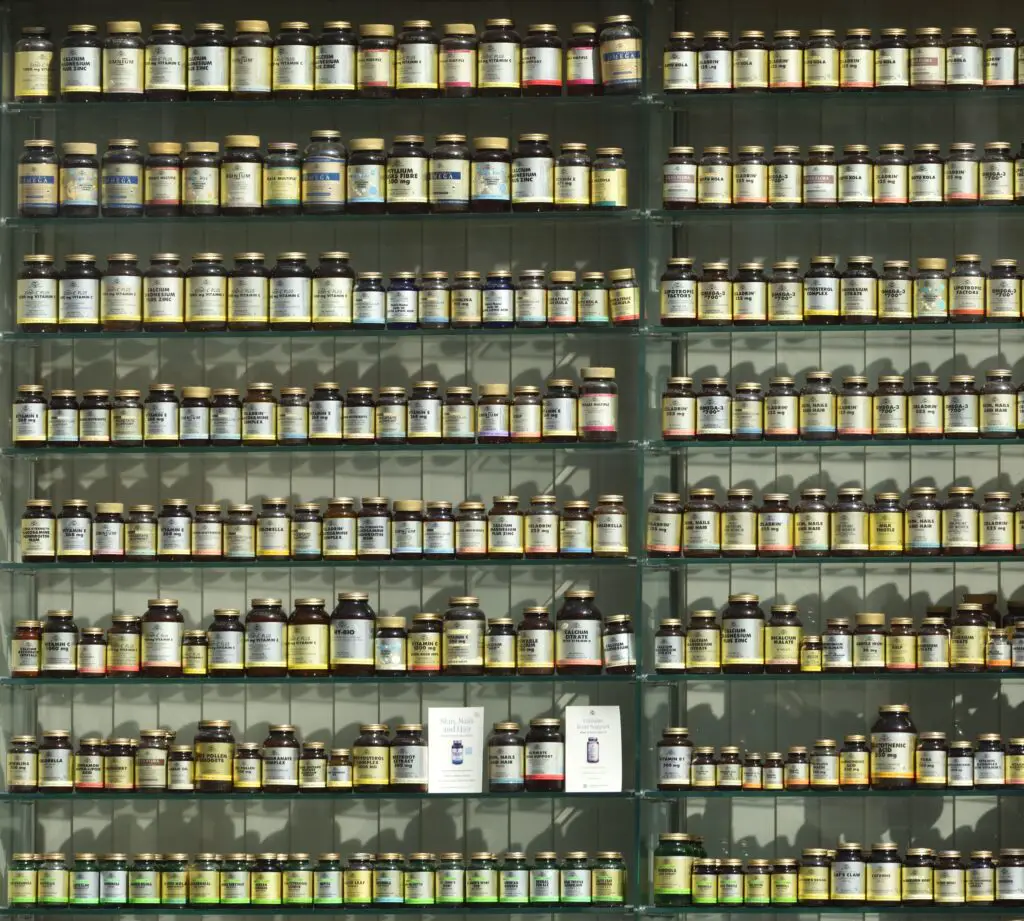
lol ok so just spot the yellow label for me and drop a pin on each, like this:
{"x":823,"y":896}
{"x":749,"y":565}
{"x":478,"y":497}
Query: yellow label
{"x":425,"y":652}
{"x":608,"y":188}
{"x":356,"y":885}
{"x":203,"y":886}
{"x":118,"y":772}
{"x":813,"y":883}
{"x":917,"y":884}
{"x":194,"y":660}
{"x":369,"y":765}
{"x":266,"y":887}
{"x":853,"y":768}
{"x":782,"y":645}
{"x":213,"y":761}
{"x":37,"y":184}
{"x":783,"y":887}
{"x":673,"y":875}
{"x":901,"y":652}
{"x":755,"y":887}
{"x":967,"y":645}
{"x":32,"y":74}
{"x":705,"y":888}
{"x":885,"y":531}
{"x":308,"y":647}
{"x":1014,"y":768}
{"x":810,"y":658}
{"x":703,"y":649}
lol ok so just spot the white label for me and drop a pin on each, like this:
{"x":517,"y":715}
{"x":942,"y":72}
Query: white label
{"x":713,"y":415}
{"x":674,"y":764}
{"x":926,"y":182}
{"x":559,"y":416}
{"x":372,"y":535}
{"x":79,"y":300}
{"x":406,"y":179}
{"x":241,"y":185}
{"x":160,"y":421}
{"x":280,"y":767}
{"x":368,"y":307}
{"x":335,"y":67}
{"x":855,"y":183}
{"x":293,"y":67}
{"x":542,"y":67}
{"x":964,"y":65}
{"x":679,"y":69}
{"x":961,"y":180}
{"x":264,"y":643}
{"x":714,"y":69}
{"x":821,"y":296}
{"x":679,"y":183}
{"x":165,"y":67}
{"x":37,"y":300}
{"x":208,"y":68}
{"x":290,"y":299}
{"x":545,"y":760}
{"x":892,"y":67}
{"x":80,"y":70}
{"x":498,"y":65}
{"x":578,"y":642}
{"x":449,"y":180}
{"x":400,"y":306}
{"x":533,"y":178}
{"x":161,"y":644}
{"x":123,"y":70}
{"x":820,"y":183}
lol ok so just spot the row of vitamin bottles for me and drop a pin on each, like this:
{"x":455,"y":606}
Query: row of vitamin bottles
{"x":857,"y":180}
{"x":565,"y":412}
{"x":406,"y":530}
{"x":209,"y":296}
{"x":352,"y":641}
{"x":215,"y":763}
{"x":955,"y":765}
{"x":846,"y":875}
{"x":324,"y":179}
{"x":824,"y":296}
{"x":823,"y":63}
{"x":922,"y":525}
{"x":447,"y":879}
{"x":342,"y":62}
{"x":973,"y":639}
{"x":820,"y":412}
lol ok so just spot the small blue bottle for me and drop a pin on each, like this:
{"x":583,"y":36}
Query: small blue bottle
{"x":400,"y":312}
{"x":499,"y":301}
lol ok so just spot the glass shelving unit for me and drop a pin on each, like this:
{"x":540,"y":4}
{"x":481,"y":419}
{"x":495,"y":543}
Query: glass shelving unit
{"x":725,"y":708}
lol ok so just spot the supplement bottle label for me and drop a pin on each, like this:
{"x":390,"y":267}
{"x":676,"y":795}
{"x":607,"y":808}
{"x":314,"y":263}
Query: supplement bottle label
{"x":578,"y":643}
{"x":208,"y":69}
{"x":545,"y":761}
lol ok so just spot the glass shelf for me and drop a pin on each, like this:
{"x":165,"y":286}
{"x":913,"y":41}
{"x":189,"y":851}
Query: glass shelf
{"x":598,"y":447}
{"x":879,"y":213}
{"x":206,"y":911}
{"x":120,"y":798}
{"x":212,"y":566}
{"x":381,"y":335}
{"x":441,"y":103}
{"x":916,"y":561}
{"x":504,"y":218}
{"x":83,"y":683}
{"x":681,"y":447}
{"x":961,"y":911}
{"x":911,"y":675}
{"x":675,"y":795}
{"x":870,"y":97}
{"x":802,"y":331}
